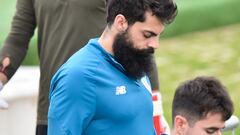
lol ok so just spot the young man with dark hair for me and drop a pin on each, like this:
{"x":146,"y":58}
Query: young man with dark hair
{"x":103,"y":88}
{"x":200,"y":107}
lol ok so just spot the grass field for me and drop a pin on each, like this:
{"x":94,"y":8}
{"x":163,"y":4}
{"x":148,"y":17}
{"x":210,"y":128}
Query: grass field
{"x":215,"y":53}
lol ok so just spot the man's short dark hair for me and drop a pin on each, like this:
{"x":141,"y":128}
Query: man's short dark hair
{"x":196,"y":98}
{"x":134,"y":10}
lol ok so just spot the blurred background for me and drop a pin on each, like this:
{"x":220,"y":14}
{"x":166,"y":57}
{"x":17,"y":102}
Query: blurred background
{"x":203,"y":40}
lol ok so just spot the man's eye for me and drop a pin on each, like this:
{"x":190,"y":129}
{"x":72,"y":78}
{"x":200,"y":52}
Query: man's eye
{"x":147,"y":35}
{"x":210,"y":131}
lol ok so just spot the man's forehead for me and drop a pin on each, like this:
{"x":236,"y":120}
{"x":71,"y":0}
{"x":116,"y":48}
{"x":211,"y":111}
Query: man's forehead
{"x":212,"y":120}
{"x":151,"y":23}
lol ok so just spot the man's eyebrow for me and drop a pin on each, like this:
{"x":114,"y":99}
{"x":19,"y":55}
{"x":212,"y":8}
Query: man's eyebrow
{"x":213,"y":128}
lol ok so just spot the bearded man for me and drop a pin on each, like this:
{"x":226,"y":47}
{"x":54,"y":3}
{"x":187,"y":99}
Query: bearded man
{"x":103,"y":89}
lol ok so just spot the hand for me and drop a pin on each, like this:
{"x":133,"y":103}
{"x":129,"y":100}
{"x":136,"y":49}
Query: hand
{"x":3,"y":103}
{"x":1,"y":86}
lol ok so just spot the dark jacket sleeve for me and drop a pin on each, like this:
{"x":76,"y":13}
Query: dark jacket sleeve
{"x":16,"y":44}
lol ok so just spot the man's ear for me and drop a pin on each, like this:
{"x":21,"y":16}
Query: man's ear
{"x":120,"y":23}
{"x":180,"y":125}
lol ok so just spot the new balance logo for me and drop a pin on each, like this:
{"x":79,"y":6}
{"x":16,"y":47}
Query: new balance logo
{"x":145,"y":83}
{"x":121,"y":90}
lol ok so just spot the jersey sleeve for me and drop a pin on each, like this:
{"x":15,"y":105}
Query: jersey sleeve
{"x":16,"y":44}
{"x":72,"y":103}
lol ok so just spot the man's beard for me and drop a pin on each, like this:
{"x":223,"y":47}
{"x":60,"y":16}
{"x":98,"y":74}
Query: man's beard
{"x":136,"y":62}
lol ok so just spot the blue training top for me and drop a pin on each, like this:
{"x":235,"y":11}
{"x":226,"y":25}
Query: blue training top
{"x":92,"y":95}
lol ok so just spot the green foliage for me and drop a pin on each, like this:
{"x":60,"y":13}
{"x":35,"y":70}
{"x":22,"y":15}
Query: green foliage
{"x":214,"y":53}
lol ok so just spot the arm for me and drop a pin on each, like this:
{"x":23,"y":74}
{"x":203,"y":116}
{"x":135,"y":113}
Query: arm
{"x":72,"y":103}
{"x":3,"y":80}
{"x":153,"y":76}
{"x":16,"y":44}
{"x":160,"y":123}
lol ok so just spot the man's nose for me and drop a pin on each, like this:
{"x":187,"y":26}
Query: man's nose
{"x":219,"y":132}
{"x":154,"y":43}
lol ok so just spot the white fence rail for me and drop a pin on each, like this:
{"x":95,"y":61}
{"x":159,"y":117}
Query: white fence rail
{"x":18,"y":113}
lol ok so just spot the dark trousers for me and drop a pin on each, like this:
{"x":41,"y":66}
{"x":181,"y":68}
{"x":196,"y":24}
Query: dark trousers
{"x":41,"y":130}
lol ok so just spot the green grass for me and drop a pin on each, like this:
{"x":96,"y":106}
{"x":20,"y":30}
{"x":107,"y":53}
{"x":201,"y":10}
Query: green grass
{"x":215,"y":53}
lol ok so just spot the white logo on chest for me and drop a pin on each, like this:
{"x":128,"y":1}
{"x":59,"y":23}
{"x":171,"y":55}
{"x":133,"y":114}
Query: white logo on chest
{"x":145,"y":83}
{"x":121,"y":90}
